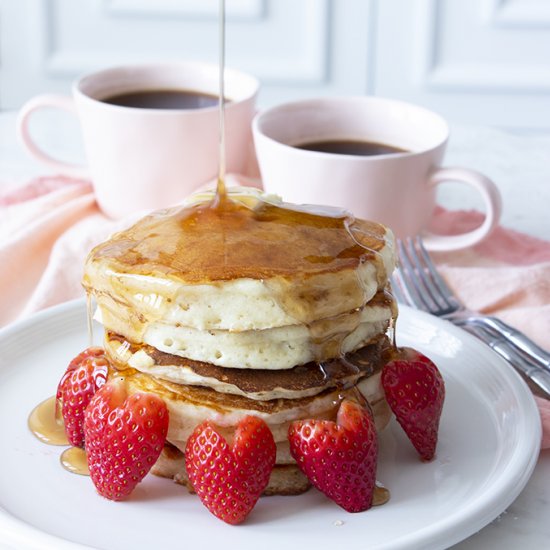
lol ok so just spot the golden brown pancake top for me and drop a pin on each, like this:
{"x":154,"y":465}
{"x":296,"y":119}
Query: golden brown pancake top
{"x":207,"y":242}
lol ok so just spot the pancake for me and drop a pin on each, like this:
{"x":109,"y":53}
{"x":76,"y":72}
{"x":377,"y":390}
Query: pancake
{"x":189,"y":406}
{"x":300,"y":381}
{"x":272,"y":349}
{"x":245,"y":305}
{"x":258,"y":265}
{"x":285,"y":479}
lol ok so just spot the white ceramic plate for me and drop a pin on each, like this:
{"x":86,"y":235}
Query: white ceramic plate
{"x":489,"y":442}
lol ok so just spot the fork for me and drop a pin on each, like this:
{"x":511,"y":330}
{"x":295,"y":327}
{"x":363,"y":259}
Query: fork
{"x":418,"y":283}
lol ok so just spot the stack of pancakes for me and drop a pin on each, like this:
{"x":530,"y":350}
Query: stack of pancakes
{"x":247,"y":306}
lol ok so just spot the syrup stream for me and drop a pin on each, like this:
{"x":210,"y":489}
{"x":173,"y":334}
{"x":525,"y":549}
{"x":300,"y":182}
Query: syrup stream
{"x":220,"y":187}
{"x":89,"y":319}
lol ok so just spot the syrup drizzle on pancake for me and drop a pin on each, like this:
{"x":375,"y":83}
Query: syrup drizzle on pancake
{"x":281,"y":246}
{"x":228,"y":239}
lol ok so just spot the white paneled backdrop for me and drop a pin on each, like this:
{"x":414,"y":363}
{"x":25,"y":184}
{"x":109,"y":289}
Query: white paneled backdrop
{"x":475,"y":61}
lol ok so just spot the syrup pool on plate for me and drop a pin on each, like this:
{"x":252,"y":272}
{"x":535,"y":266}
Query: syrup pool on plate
{"x":45,"y":425}
{"x":381,"y":495}
{"x":74,"y":460}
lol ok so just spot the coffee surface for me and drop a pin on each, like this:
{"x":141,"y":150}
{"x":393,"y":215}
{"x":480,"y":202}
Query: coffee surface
{"x":351,"y":147}
{"x":163,"y":99}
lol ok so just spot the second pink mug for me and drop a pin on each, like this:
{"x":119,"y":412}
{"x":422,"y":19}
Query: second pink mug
{"x":397,"y":189}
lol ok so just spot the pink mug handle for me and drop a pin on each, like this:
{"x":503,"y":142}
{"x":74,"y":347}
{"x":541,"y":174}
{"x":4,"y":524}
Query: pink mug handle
{"x":491,"y":200}
{"x":47,"y":101}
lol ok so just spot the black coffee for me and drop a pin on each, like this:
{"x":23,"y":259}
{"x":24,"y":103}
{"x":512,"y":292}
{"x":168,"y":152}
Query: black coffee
{"x":163,"y":99}
{"x":351,"y":147}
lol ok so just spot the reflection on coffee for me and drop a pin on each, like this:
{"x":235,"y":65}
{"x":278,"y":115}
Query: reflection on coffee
{"x":351,"y":147}
{"x":163,"y":99}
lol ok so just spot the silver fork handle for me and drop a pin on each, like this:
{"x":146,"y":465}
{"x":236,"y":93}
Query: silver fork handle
{"x":523,"y":344}
{"x":525,"y":365}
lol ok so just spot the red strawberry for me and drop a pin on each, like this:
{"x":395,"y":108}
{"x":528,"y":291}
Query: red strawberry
{"x":86,"y":373}
{"x":415,"y":392}
{"x":230,"y":479}
{"x":124,"y":437}
{"x":339,"y":458}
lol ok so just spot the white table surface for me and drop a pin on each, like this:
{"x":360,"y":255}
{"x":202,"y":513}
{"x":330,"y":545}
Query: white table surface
{"x":520,"y":165}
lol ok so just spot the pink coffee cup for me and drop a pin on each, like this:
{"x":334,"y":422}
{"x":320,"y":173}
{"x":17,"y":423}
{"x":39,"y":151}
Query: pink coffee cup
{"x":397,"y":189}
{"x":142,"y":158}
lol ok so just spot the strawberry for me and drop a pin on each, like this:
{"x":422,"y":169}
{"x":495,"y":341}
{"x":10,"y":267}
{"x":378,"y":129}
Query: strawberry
{"x":339,"y":458}
{"x":124,"y":437}
{"x":230,"y":479}
{"x":415,"y":392}
{"x":86,"y":373}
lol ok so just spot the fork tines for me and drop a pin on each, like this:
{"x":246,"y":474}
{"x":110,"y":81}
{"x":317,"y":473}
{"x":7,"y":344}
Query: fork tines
{"x":417,"y":282}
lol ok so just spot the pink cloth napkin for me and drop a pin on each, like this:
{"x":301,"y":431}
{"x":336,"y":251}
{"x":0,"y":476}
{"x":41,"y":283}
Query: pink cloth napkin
{"x":507,"y":275}
{"x":48,"y":226}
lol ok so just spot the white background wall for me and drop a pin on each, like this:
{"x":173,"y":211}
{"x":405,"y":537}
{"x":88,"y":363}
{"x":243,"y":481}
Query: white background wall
{"x":475,"y":61}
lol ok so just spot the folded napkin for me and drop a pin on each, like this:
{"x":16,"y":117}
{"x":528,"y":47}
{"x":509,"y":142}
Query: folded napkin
{"x":48,"y":226}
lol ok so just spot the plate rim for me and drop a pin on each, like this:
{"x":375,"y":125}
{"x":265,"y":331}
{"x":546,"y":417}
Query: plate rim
{"x":454,"y":529}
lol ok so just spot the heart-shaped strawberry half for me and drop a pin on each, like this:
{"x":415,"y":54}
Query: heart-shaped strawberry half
{"x":124,"y":437}
{"x":229,"y":479}
{"x":86,"y":373}
{"x":339,"y":458}
{"x":415,"y":391}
